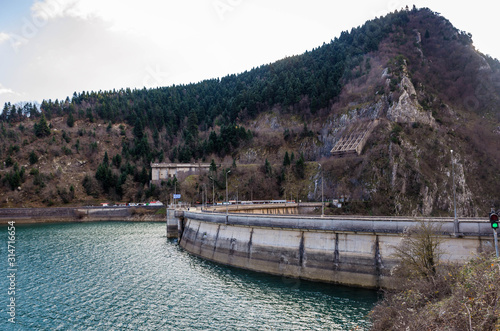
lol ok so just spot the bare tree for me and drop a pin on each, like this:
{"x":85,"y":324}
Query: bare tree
{"x":419,"y":251}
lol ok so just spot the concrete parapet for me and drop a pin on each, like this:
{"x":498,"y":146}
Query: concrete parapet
{"x":467,"y":227}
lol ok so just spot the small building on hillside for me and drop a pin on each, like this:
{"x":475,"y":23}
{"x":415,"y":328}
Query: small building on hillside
{"x":165,"y":171}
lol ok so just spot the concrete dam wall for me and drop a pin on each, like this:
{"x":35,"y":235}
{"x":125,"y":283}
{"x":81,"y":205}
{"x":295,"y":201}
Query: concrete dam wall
{"x":355,"y":252}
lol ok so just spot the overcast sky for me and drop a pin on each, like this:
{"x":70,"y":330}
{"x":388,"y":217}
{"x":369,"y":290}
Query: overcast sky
{"x":51,"y":48}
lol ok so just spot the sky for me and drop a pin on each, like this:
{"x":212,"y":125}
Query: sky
{"x":52,"y":48}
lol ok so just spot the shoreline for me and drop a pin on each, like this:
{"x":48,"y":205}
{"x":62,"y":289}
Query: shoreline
{"x":79,"y":215}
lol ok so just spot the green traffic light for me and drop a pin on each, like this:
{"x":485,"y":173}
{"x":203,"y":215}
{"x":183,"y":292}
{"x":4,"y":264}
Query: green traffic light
{"x":494,"y":220}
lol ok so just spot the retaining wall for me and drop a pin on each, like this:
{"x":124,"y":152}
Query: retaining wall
{"x":64,"y":215}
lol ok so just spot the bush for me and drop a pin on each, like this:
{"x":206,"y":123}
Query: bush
{"x":9,"y":162}
{"x":33,"y":158}
{"x":66,"y":150}
{"x":419,"y":252}
{"x":91,"y":187}
{"x":439,"y":297}
{"x":39,"y":179}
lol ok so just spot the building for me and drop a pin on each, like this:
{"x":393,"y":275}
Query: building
{"x":165,"y":171}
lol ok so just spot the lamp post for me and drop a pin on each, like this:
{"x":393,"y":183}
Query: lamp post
{"x":455,"y":220}
{"x":227,"y":197}
{"x":237,"y":192}
{"x":204,"y":196}
{"x":213,"y":190}
{"x":322,"y":199}
{"x":322,"y":195}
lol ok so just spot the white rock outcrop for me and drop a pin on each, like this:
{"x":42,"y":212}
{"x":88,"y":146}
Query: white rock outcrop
{"x":407,"y":109}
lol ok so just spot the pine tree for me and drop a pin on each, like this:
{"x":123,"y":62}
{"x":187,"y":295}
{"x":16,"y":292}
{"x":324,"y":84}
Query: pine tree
{"x":267,"y":169}
{"x":300,"y":167}
{"x":105,"y":161}
{"x":42,"y":127}
{"x":286,"y":160}
{"x":70,"y":121}
{"x":193,"y":123}
{"x":138,"y":129}
{"x":213,"y":166}
{"x":33,"y":158}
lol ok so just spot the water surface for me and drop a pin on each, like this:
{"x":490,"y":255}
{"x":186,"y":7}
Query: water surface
{"x":129,"y":276}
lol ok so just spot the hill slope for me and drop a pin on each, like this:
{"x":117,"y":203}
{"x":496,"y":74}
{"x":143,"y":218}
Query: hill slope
{"x":412,"y":71}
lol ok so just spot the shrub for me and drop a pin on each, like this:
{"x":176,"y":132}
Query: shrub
{"x":9,"y":162}
{"x":15,"y":177}
{"x":439,"y":297}
{"x":39,"y":179}
{"x":66,"y":150}
{"x":419,"y":251}
{"x":33,"y":158}
{"x":91,"y":187}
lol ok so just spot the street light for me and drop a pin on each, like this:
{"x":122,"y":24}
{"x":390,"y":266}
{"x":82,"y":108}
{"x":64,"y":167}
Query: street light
{"x":322,"y":195}
{"x":455,"y":220}
{"x":213,"y":190}
{"x":204,"y":196}
{"x":227,"y":197}
{"x":322,"y":199}
{"x":175,"y":191}
{"x":237,"y":193}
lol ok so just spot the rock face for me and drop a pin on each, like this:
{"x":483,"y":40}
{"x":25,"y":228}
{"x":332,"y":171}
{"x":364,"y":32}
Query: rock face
{"x":407,"y":109}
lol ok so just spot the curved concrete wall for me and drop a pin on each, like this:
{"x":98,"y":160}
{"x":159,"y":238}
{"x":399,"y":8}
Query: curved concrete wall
{"x":355,"y":252}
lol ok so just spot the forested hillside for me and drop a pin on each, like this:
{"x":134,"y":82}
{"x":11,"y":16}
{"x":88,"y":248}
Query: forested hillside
{"x":419,"y":76}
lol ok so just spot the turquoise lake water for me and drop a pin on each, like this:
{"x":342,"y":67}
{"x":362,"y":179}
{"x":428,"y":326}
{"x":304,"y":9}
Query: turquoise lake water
{"x":129,"y":276}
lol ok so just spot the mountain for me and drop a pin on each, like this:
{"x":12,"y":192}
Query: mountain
{"x":393,"y":97}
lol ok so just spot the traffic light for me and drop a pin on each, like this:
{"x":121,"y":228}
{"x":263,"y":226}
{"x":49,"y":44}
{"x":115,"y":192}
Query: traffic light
{"x":494,"y":220}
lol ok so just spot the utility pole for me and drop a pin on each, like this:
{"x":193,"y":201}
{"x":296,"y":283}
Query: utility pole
{"x":322,"y":195}
{"x":455,"y":220}
{"x":494,"y":226}
{"x":227,"y":197}
{"x":213,"y":189}
{"x":322,"y":199}
{"x":204,"y":196}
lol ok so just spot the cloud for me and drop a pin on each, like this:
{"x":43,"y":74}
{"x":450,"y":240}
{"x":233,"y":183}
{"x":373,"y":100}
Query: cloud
{"x":9,"y":95}
{"x":4,"y":90}
{"x":4,"y":37}
{"x":51,"y":9}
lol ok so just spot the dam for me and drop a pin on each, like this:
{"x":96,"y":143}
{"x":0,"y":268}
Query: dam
{"x":354,"y":251}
